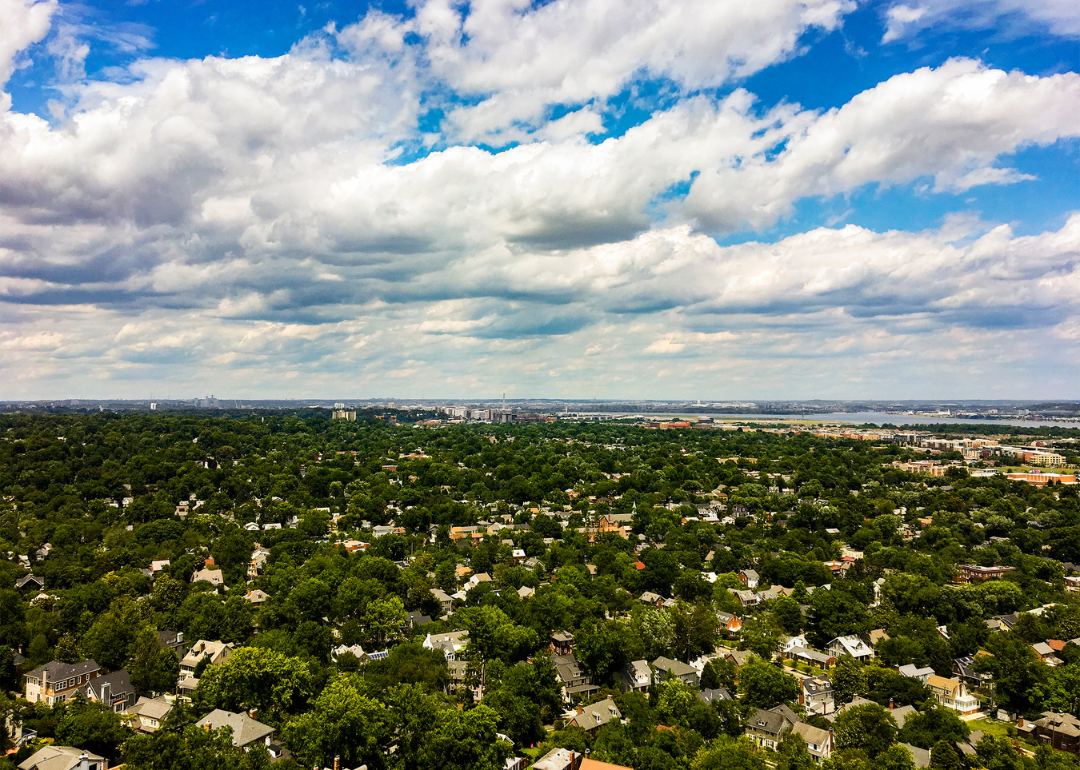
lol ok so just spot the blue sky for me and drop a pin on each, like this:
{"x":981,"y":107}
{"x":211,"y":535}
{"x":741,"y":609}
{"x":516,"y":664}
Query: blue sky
{"x":698,"y":199}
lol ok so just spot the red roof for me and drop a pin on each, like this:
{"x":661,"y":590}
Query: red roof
{"x":639,"y":565}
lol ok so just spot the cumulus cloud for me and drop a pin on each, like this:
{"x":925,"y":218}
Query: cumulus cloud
{"x":25,"y":23}
{"x":290,"y":214}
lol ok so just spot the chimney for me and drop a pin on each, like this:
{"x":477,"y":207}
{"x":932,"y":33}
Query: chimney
{"x":179,"y":637}
{"x":207,"y":726}
{"x":890,"y":704}
{"x":1020,"y":722}
{"x":106,"y":694}
{"x":337,"y":762}
{"x":580,"y":710}
{"x":84,"y":761}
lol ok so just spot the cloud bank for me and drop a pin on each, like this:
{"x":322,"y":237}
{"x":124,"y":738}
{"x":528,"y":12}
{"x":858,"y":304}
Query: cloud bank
{"x":252,"y":221}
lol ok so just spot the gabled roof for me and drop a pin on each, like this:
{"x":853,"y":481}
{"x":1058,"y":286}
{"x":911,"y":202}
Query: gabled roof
{"x":58,"y":758}
{"x":811,"y":734}
{"x":150,"y":707}
{"x":245,"y":729}
{"x":597,"y":715}
{"x":921,"y":756}
{"x":719,"y":693}
{"x":119,"y":684}
{"x":58,"y":671}
{"x":901,"y":713}
{"x":676,"y":667}
{"x":767,"y":721}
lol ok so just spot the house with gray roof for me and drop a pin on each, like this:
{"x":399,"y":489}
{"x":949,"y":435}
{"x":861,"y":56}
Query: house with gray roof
{"x":921,"y":756}
{"x":818,"y":741}
{"x":245,"y":731}
{"x":666,"y":668}
{"x":113,"y":689}
{"x":637,"y":676}
{"x":55,"y":682}
{"x":147,"y":714}
{"x":594,"y":716}
{"x":766,"y":728}
{"x":63,"y":758}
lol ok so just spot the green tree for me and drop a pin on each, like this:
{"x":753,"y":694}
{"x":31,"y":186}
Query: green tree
{"x":726,"y":753}
{"x":896,"y":757}
{"x":848,"y":679}
{"x":868,"y":727}
{"x":793,"y":754}
{"x":343,"y":721}
{"x":764,"y":685}
{"x":255,"y":678}
{"x":91,"y":726}
{"x":932,"y":724}
{"x":944,"y":757}
{"x":384,"y":620}
{"x":465,"y":741}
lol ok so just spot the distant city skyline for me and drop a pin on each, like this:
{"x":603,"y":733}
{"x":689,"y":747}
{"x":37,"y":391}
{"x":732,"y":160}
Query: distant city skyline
{"x":650,"y":199}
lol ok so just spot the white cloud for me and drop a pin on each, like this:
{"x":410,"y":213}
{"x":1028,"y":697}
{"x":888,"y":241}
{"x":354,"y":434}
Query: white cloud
{"x":522,"y":58}
{"x":1060,"y":17}
{"x":25,"y":23}
{"x":264,"y":215}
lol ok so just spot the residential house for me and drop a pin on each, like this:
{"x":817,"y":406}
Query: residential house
{"x":1060,"y":731}
{"x":818,"y":741}
{"x":31,"y":582}
{"x":574,"y":679}
{"x":562,"y":642}
{"x":477,"y":579}
{"x":877,"y":635}
{"x":215,"y":652}
{"x":729,"y":624}
{"x":746,"y":598}
{"x":174,"y":640}
{"x":63,"y":758}
{"x":810,"y":657}
{"x":901,"y":714}
{"x":718,"y":693}
{"x":921,"y":757}
{"x":749,"y":578}
{"x":1002,"y":622}
{"x":556,"y":759}
{"x":246,"y":732}
{"x":767,"y":728}
{"x":650,"y":599}
{"x":451,"y":642}
{"x":417,"y":619}
{"x":666,"y":668}
{"x":256,"y":597}
{"x":525,"y":592}
{"x":1072,"y":584}
{"x":1046,"y":653}
{"x":113,"y":690}
{"x":353,"y":649}
{"x":55,"y":682}
{"x":850,"y":645}
{"x":738,"y":657}
{"x":594,"y":716}
{"x":637,"y":676}
{"x":915,"y":672}
{"x":444,"y":600}
{"x":816,"y":696}
{"x":147,"y":714}
{"x":593,"y":764}
{"x":967,"y":573}
{"x":952,"y":694}
{"x":212,"y":576}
